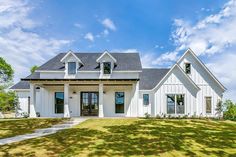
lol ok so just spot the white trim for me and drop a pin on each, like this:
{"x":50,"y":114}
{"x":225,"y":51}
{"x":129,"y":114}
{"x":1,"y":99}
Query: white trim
{"x":203,"y":65}
{"x":176,"y":65}
{"x":19,"y":90}
{"x":127,"y":71}
{"x":54,"y":71}
{"x":68,"y":53}
{"x":106,"y":52}
{"x":49,"y":71}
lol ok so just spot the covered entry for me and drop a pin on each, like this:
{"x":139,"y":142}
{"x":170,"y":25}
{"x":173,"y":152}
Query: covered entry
{"x":89,"y":103}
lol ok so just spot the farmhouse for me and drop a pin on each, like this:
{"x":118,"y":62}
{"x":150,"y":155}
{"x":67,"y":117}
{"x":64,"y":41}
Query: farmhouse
{"x":115,"y":85}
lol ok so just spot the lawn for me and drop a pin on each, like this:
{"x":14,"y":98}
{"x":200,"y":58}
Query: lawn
{"x":134,"y":137}
{"x":13,"y":127}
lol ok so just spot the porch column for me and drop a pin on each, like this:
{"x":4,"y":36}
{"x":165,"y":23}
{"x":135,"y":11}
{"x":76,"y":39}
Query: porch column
{"x":66,"y":100}
{"x":32,"y":100}
{"x":100,"y":112}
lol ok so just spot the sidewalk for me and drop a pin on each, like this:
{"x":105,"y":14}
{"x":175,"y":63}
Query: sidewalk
{"x":43,"y":132}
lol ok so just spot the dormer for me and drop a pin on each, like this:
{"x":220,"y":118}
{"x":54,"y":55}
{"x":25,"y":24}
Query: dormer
{"x":107,"y":63}
{"x":72,"y":63}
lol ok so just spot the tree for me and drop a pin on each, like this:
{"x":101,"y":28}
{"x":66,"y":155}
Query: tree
{"x":230,"y":112}
{"x":8,"y":101}
{"x":6,"y":73}
{"x":33,"y":68}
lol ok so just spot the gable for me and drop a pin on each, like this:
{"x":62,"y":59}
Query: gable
{"x":71,"y":57}
{"x":106,"y":57}
{"x":200,"y":74}
{"x":176,"y":75}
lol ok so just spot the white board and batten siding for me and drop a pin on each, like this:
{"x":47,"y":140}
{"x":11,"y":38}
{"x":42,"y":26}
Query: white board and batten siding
{"x":23,"y":98}
{"x":142,"y":108}
{"x":45,"y":100}
{"x":208,"y":86}
{"x":175,"y":83}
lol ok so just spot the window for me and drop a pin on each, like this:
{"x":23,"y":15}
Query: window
{"x":187,"y":68}
{"x":208,"y":104}
{"x":170,"y":104}
{"x":59,"y":102}
{"x":145,"y":99}
{"x":71,"y":67}
{"x":119,"y":102}
{"x":175,"y":104}
{"x":180,"y":104}
{"x":107,"y":67}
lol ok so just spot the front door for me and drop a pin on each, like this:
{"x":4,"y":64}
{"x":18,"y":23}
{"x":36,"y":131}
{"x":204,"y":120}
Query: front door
{"x":89,"y":103}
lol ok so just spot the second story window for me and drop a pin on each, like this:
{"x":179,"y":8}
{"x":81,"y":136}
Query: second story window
{"x":107,"y":68}
{"x":187,"y":68}
{"x":71,"y":67}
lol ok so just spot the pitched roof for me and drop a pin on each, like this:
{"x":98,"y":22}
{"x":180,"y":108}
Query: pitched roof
{"x":149,"y":78}
{"x":182,"y":71}
{"x":203,"y":65}
{"x":21,"y":85}
{"x":125,"y":62}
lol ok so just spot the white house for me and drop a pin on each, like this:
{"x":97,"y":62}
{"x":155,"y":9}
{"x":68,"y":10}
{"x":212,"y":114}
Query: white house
{"x":115,"y":85}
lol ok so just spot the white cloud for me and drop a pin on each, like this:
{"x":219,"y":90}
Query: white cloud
{"x":212,"y":36}
{"x":125,"y":50}
{"x":108,"y":23}
{"x":15,"y":13}
{"x":165,"y":59}
{"x":224,"y":68}
{"x":78,"y":25}
{"x":89,"y":36}
{"x":105,"y":32}
{"x":18,"y":45}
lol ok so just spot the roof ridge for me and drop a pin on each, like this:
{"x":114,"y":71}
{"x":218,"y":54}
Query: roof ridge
{"x":156,"y":68}
{"x":101,"y":52}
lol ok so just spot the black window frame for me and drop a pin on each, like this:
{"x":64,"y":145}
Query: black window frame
{"x":106,"y":71}
{"x":178,"y":107}
{"x":170,"y":105}
{"x":71,"y":71}
{"x":146,"y":101}
{"x":210,"y":110}
{"x":188,"y":69}
{"x":57,"y":105}
{"x":116,"y":104}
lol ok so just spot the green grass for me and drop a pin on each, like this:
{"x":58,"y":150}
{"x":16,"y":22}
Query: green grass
{"x":13,"y":127}
{"x":134,"y":137}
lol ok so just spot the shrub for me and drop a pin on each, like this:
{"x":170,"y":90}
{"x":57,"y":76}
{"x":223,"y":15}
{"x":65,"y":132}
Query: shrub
{"x":8,"y":101}
{"x":147,"y":115}
{"x":25,"y":115}
{"x":219,"y":108}
{"x":230,"y":112}
{"x":158,"y":116}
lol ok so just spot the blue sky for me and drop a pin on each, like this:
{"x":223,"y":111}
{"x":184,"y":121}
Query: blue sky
{"x":31,"y":32}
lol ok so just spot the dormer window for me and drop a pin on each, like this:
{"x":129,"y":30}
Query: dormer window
{"x":71,"y":68}
{"x":107,"y":68}
{"x":187,"y":68}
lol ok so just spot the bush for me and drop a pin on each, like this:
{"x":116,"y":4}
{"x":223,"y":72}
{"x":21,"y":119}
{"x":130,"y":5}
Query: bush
{"x":8,"y":101}
{"x":147,"y":115}
{"x":230,"y":112}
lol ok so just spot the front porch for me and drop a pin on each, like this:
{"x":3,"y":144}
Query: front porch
{"x":84,"y":98}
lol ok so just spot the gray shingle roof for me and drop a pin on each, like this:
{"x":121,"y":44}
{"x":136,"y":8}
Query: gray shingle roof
{"x":125,"y":61}
{"x":21,"y":85}
{"x":149,"y":78}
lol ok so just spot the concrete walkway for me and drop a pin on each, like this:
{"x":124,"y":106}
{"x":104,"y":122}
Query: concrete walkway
{"x":43,"y":132}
